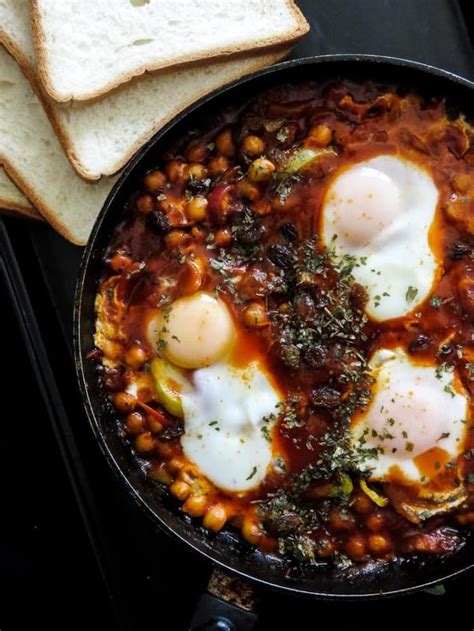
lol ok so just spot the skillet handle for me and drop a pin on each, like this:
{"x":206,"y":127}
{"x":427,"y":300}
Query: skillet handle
{"x":214,"y":614}
{"x":229,"y":605}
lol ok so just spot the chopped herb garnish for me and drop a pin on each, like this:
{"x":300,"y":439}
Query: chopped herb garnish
{"x":448,"y":388}
{"x":445,"y":367}
{"x":252,"y":473}
{"x":411,"y":294}
{"x":436,"y":302}
{"x":266,"y":432}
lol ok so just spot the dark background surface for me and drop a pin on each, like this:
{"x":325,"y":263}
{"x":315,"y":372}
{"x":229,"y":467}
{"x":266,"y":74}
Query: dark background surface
{"x":74,"y":553}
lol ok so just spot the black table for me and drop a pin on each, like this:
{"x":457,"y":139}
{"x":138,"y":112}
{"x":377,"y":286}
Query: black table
{"x":74,"y":552}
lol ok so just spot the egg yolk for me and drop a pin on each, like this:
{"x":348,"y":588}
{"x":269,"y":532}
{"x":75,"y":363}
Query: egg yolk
{"x":365,"y":202}
{"x":197,"y":331}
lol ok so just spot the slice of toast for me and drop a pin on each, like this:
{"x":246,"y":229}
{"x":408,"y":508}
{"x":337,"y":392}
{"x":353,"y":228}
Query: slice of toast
{"x":87,"y":48}
{"x":100,"y":137}
{"x":33,"y":158}
{"x":13,"y":200}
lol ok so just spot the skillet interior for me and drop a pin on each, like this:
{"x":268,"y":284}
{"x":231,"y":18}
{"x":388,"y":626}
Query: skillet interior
{"x":224,"y":548}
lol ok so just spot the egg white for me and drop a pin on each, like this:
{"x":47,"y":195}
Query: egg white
{"x":224,"y":407}
{"x":380,"y":211}
{"x":414,"y":409}
{"x":224,"y":414}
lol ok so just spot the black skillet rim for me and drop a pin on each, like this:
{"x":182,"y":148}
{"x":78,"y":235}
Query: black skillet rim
{"x":80,"y":353}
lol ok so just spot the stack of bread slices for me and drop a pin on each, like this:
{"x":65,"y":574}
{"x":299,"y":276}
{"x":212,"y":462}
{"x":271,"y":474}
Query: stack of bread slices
{"x":85,"y":83}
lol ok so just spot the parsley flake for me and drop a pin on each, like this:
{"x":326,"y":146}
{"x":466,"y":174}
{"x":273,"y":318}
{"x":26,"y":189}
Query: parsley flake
{"x":252,"y":473}
{"x":411,"y":294}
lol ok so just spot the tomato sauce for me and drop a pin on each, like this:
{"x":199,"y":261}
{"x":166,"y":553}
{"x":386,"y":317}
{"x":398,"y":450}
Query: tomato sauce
{"x":221,"y":214}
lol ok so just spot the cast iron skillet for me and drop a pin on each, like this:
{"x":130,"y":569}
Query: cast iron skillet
{"x":225,"y":549}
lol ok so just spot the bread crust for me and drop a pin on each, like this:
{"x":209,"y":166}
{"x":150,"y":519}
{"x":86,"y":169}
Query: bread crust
{"x":18,"y":179}
{"x":277,"y":56}
{"x":10,"y":208}
{"x":22,"y":184}
{"x":262,"y":60}
{"x":15,"y":207}
{"x":302,"y":27}
{"x":30,"y":72}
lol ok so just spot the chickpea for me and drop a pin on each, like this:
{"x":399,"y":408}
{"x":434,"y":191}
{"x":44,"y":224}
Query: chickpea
{"x":167,"y":205}
{"x":191,"y":279}
{"x":145,"y":204}
{"x":465,"y":519}
{"x":223,"y":237}
{"x":253,"y":145}
{"x":177,"y":171}
{"x":111,"y":349}
{"x":251,"y":531}
{"x":125,"y":402}
{"x":155,"y":181}
{"x":255,"y":315}
{"x":197,"y":233}
{"x":321,"y":135}
{"x":459,"y":210}
{"x":120,"y":262}
{"x":248,"y":190}
{"x":218,"y":165}
{"x":197,"y":153}
{"x":325,"y":547}
{"x":188,"y":474}
{"x":260,"y":170}
{"x":164,"y":449}
{"x":196,"y":210}
{"x":195,"y":505}
{"x":262,"y":207}
{"x":175,"y":238}
{"x":375,"y":522}
{"x":362,"y":504}
{"x":341,"y":519}
{"x":378,"y":544}
{"x":181,"y":490}
{"x":197,"y":171}
{"x":144,"y":443}
{"x":462,"y":182}
{"x":160,"y":473}
{"x":225,"y":144}
{"x":176,"y":464}
{"x":153,"y":424}
{"x":215,"y":518}
{"x":135,"y":423}
{"x":136,"y":356}
{"x":355,"y":547}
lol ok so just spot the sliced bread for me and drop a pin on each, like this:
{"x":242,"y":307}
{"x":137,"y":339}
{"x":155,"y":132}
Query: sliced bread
{"x":33,"y":158}
{"x":101,"y":136}
{"x":13,"y":200}
{"x":85,"y":48}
